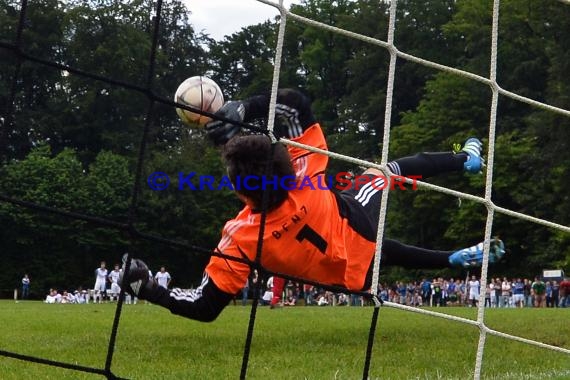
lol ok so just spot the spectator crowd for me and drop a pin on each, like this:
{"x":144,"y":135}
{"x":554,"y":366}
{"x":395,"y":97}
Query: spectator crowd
{"x":499,"y":293}
{"x":436,"y":292}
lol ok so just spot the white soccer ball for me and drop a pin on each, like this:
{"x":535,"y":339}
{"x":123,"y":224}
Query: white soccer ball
{"x":201,"y":93}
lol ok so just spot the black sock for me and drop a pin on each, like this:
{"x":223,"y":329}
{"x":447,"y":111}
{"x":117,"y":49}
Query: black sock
{"x":410,"y":257}
{"x":430,"y":164}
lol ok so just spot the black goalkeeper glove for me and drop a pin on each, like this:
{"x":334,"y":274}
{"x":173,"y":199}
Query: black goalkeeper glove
{"x":137,"y":280}
{"x":220,"y":132}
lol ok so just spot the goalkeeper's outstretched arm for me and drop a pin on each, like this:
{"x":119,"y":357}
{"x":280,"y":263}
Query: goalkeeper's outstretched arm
{"x":293,"y":112}
{"x":203,"y":304}
{"x":293,"y":115}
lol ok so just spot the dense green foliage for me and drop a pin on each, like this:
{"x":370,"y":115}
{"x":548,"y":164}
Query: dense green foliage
{"x":72,"y":142}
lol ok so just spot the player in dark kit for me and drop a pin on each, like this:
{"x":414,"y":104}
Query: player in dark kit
{"x":318,"y":235}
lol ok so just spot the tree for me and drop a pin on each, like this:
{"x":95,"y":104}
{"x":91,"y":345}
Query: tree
{"x":189,"y":214}
{"x":58,"y":250}
{"x":107,"y":39}
{"x":37,"y":89}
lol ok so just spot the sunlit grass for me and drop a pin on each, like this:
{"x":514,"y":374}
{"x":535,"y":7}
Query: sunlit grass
{"x":291,"y":343}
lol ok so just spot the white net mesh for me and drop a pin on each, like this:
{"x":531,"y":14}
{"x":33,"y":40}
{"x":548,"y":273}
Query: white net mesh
{"x":497,"y":91}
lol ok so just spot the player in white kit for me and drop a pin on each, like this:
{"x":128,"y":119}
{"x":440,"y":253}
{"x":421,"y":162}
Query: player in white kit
{"x":163,"y":278}
{"x":114,"y":280}
{"x":473,"y":286}
{"x":100,"y":283}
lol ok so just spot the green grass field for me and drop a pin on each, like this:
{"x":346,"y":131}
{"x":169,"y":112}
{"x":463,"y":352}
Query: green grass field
{"x":290,"y":343}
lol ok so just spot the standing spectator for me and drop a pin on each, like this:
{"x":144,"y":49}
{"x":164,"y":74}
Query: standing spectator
{"x":527,"y":293}
{"x":114,"y":280}
{"x":418,"y":294}
{"x":518,"y":293}
{"x":548,"y":294}
{"x":436,"y":292}
{"x":383,"y":292}
{"x":462,"y":296}
{"x":356,"y":301}
{"x":269,"y":283}
{"x":277,"y":289}
{"x":308,"y":294}
{"x":392,"y":294}
{"x":498,"y":292}
{"x":493,"y":293}
{"x":473,"y":286}
{"x":25,"y":287}
{"x":555,"y":293}
{"x":565,"y":293}
{"x":253,"y":281}
{"x":505,"y":292}
{"x":100,"y":283}
{"x":426,"y":291}
{"x":402,"y":290}
{"x":163,"y":278}
{"x":452,"y":292}
{"x":244,"y":293}
{"x":488,"y":295}
{"x":538,"y":291}
{"x":444,"y":294}
{"x":411,"y":294}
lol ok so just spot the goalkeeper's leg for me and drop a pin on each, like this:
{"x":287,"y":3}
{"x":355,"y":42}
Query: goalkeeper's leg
{"x":407,"y":256}
{"x":428,"y":165}
{"x":361,"y":207}
{"x":411,"y":257}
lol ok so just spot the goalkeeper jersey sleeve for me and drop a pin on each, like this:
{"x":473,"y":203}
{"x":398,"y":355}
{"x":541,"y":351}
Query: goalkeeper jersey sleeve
{"x":293,"y":113}
{"x":203,"y":303}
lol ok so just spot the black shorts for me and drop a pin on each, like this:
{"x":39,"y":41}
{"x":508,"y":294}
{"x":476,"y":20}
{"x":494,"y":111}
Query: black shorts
{"x":360,"y":204}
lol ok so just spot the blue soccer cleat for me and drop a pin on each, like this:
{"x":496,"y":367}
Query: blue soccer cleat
{"x":473,"y":256}
{"x":473,"y":148}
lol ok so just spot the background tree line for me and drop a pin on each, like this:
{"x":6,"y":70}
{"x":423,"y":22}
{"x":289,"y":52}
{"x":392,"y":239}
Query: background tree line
{"x":72,"y":142}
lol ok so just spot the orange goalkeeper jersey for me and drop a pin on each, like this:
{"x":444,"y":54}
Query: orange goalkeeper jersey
{"x":304,"y":237}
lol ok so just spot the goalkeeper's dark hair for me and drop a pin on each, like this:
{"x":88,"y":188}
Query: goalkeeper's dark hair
{"x":249,"y":156}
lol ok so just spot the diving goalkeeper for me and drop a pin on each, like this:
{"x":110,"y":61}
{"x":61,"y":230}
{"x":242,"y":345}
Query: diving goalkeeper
{"x":323,"y":236}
